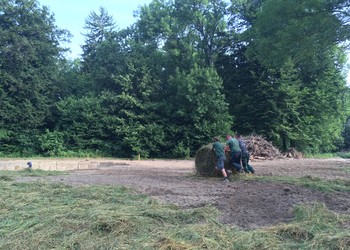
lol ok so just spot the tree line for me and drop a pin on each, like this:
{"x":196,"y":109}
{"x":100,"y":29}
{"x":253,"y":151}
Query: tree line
{"x":185,"y":71}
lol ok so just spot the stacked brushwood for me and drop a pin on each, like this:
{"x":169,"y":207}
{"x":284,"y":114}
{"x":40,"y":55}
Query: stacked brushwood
{"x":261,"y":149}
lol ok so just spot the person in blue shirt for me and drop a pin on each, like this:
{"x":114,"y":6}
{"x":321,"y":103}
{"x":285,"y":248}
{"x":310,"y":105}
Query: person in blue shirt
{"x":245,"y":155}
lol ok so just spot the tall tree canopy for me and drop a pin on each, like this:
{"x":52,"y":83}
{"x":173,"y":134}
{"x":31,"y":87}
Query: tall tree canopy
{"x":99,"y":51}
{"x":195,"y":109}
{"x":297,"y":82}
{"x":306,"y":32}
{"x":185,"y":71}
{"x":29,"y":51}
{"x":190,"y":31}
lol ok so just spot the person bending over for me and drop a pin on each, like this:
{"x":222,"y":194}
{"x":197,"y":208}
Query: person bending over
{"x":232,"y":145}
{"x":218,"y":149}
{"x":245,"y":155}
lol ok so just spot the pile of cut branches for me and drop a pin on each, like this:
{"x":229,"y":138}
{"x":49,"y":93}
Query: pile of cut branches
{"x":261,"y":149}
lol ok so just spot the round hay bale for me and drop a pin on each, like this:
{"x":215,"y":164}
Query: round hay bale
{"x":205,"y":161}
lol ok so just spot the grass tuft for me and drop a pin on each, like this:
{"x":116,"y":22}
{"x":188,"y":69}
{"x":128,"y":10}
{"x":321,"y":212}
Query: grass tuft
{"x":6,"y":178}
{"x":295,"y":233}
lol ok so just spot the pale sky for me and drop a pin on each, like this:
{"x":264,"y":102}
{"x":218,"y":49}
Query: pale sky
{"x":71,"y":15}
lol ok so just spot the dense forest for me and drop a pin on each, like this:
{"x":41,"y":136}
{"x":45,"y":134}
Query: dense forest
{"x":185,"y":71}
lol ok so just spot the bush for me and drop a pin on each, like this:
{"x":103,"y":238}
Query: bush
{"x":51,"y":143}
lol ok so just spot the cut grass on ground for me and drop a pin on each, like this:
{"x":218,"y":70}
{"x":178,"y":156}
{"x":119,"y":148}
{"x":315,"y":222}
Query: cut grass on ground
{"x":31,"y":172}
{"x":342,"y":185}
{"x":44,"y":215}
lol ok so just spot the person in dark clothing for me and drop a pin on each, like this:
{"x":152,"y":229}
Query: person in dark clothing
{"x":232,"y":145}
{"x":218,"y":149}
{"x":245,"y":155}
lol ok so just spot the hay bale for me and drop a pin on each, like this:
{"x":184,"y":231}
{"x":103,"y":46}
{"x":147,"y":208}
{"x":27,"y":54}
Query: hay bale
{"x":205,"y":161}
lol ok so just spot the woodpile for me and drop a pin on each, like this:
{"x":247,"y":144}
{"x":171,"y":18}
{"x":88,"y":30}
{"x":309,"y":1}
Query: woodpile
{"x":261,"y":149}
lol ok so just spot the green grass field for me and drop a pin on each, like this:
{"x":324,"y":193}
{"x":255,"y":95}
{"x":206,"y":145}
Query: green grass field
{"x":344,"y":155}
{"x":43,"y":215}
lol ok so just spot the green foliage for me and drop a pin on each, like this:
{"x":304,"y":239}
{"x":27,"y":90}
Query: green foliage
{"x":192,"y":32}
{"x":102,"y":58}
{"x":51,"y":143}
{"x":288,"y":28}
{"x":346,"y":134}
{"x":135,"y":127}
{"x":177,"y":77}
{"x":71,"y":81}
{"x":29,"y":53}
{"x":23,"y":143}
{"x":326,"y":110}
{"x":288,"y":127}
{"x":296,"y":94}
{"x":197,"y":106}
{"x":26,"y":81}
{"x":181,"y":151}
{"x":99,"y":27}
{"x":4,"y":134}
{"x":90,"y":121}
{"x":344,"y":154}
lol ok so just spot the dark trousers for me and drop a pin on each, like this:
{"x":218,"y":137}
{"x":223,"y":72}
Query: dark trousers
{"x":236,"y":161}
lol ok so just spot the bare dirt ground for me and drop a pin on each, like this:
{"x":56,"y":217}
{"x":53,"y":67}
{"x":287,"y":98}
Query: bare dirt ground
{"x":244,"y":202}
